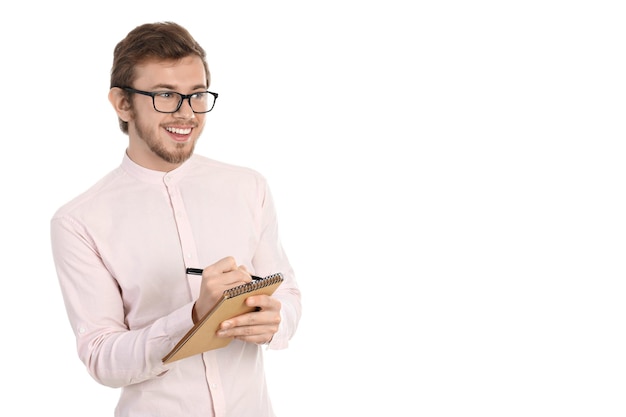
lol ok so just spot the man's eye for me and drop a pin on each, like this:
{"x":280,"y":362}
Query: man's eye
{"x":165,"y":95}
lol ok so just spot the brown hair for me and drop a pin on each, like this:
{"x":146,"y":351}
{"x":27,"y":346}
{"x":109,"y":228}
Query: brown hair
{"x":161,"y":40}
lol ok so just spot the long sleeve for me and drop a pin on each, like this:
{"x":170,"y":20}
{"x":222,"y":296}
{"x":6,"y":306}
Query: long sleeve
{"x":113,"y":354}
{"x":269,"y":258}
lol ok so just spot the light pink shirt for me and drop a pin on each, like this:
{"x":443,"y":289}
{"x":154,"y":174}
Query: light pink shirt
{"x":121,"y":250}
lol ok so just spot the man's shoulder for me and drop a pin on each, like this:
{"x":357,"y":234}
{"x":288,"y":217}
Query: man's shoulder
{"x":216,"y":167}
{"x":89,"y":194}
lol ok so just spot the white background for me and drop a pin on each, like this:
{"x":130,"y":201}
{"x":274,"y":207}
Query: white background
{"x":449,"y":177}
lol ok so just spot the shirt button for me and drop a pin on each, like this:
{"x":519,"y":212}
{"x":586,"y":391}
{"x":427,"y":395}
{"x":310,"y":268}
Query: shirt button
{"x":81,"y":330}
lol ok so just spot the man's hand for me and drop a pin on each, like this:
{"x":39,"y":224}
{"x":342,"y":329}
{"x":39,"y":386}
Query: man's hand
{"x":217,"y":278}
{"x":256,"y":327}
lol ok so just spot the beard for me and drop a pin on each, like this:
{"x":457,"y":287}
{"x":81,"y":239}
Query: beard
{"x":178,"y":155}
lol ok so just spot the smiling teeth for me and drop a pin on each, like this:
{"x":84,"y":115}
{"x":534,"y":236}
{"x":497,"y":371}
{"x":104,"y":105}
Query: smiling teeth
{"x":179,"y":131}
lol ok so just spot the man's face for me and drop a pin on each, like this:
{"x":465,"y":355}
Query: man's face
{"x":163,"y":141}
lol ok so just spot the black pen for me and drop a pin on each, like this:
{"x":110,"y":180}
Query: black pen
{"x":198,"y":271}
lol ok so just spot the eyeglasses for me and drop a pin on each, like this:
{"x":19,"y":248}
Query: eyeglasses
{"x":170,"y":101}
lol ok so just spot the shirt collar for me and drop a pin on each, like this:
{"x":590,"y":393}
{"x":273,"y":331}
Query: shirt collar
{"x":152,"y":176}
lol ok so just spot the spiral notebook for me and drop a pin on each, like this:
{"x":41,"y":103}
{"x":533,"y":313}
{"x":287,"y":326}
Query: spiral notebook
{"x":201,"y":337}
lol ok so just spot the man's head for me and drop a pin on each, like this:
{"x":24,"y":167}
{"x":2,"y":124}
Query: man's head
{"x":161,"y":58}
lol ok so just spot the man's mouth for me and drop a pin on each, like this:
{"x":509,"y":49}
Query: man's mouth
{"x":179,"y":130}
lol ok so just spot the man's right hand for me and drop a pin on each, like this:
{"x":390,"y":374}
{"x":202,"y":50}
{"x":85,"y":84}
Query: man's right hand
{"x":217,"y":278}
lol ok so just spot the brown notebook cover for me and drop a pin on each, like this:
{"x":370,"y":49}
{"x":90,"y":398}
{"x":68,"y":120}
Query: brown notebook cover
{"x":201,"y":337}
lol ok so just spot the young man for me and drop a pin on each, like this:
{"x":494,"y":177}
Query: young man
{"x":121,"y":249}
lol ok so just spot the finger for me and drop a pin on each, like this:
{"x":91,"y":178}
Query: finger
{"x":256,"y":319}
{"x":264,"y":302}
{"x":226,"y":264}
{"x":242,"y":268}
{"x":246,"y":331}
{"x":258,"y":334}
{"x":261,"y":339}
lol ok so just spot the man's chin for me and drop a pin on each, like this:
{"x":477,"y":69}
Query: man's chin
{"x":178,"y":156}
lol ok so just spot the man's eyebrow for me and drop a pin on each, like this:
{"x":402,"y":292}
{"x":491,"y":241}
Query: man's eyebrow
{"x":172,"y":88}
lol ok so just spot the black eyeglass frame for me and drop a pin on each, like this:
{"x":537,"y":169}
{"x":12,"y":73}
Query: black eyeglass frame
{"x":183,"y":97}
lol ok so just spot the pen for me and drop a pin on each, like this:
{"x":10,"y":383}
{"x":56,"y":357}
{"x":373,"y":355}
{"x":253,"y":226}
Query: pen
{"x":198,"y":271}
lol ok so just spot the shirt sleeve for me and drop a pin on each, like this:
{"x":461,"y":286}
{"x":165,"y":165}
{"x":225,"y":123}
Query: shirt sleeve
{"x":270,"y":258}
{"x":113,"y":355}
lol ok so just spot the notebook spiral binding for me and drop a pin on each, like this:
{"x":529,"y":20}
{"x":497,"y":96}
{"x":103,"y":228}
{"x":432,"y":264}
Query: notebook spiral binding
{"x":254,"y":285}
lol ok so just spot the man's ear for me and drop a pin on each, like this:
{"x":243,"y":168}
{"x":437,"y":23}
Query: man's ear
{"x":120,"y":103}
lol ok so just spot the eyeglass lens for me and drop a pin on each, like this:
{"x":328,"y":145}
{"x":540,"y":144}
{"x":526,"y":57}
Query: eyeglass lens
{"x":169,"y":102}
